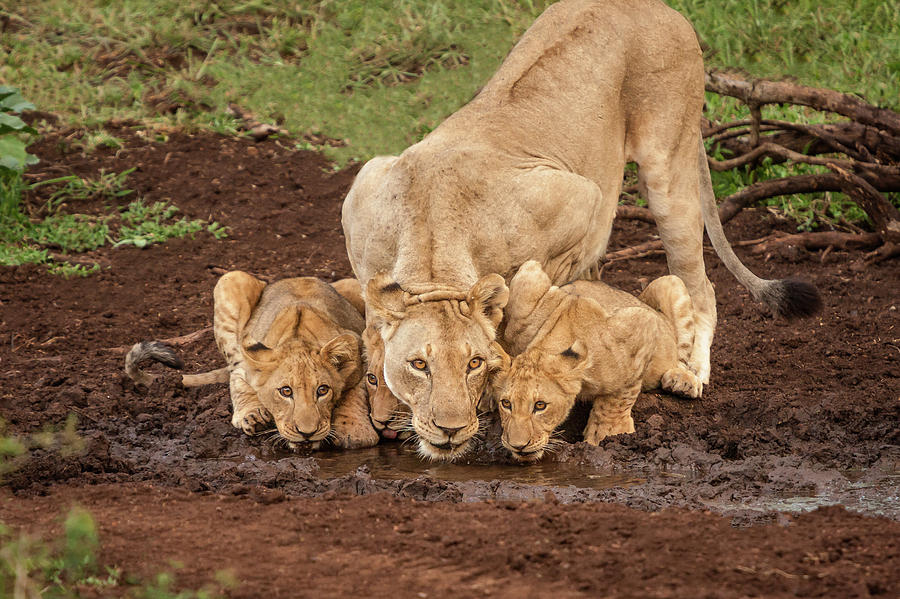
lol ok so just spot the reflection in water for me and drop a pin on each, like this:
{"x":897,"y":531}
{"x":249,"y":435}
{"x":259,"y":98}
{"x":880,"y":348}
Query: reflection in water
{"x":394,"y":462}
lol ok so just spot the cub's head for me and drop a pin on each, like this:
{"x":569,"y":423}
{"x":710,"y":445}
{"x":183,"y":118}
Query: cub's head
{"x":438,"y":355}
{"x":536,"y":393}
{"x":298,"y":382}
{"x":389,"y":417}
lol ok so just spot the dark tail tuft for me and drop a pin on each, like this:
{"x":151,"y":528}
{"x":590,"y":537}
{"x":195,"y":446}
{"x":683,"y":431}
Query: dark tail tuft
{"x":792,"y":298}
{"x":149,"y":350}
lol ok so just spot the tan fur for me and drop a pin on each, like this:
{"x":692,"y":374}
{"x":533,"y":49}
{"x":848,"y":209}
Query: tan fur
{"x":299,"y":334}
{"x":593,"y":342}
{"x":444,"y":393}
{"x":389,"y":415}
{"x":532,"y":167}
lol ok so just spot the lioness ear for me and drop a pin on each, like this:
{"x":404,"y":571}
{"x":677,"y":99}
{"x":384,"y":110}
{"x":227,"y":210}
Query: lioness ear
{"x":342,"y":353}
{"x":526,"y":289}
{"x":488,"y":297}
{"x":384,"y":303}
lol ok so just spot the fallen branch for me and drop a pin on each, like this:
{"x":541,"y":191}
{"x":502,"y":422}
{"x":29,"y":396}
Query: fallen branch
{"x":884,"y":216}
{"x":772,"y":149}
{"x":175,"y":341}
{"x":635,"y":213}
{"x":758,"y":92}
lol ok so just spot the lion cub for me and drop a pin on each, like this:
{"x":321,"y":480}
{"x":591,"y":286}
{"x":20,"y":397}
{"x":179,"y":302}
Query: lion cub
{"x":293,"y":354}
{"x":389,"y":416}
{"x":588,"y":341}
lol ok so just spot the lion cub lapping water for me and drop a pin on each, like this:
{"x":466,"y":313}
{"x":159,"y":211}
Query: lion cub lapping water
{"x":589,"y":341}
{"x":293,"y":354}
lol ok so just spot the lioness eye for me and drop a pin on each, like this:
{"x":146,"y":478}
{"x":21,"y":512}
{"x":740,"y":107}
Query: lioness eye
{"x":286,"y":391}
{"x":372,"y":379}
{"x":419,"y":364}
{"x":322,"y":390}
{"x":539,"y":405}
{"x":506,"y":404}
{"x":475,"y":363}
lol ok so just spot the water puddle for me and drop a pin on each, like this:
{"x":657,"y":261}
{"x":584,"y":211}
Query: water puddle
{"x":392,"y":462}
{"x":875,"y":497}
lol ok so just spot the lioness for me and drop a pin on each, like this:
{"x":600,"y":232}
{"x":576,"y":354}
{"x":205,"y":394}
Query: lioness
{"x":590,"y":341}
{"x":532,"y":168}
{"x":293,"y":355}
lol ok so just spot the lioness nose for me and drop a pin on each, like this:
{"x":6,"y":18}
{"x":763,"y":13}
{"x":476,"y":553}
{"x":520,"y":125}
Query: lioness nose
{"x":450,"y":431}
{"x":519,"y":447}
{"x":378,"y":424}
{"x":304,"y":433}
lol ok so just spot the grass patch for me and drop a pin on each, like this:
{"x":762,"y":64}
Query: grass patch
{"x":49,"y":239}
{"x":359,"y":78}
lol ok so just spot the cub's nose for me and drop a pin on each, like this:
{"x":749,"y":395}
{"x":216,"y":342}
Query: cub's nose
{"x":518,"y":447}
{"x":378,"y":424}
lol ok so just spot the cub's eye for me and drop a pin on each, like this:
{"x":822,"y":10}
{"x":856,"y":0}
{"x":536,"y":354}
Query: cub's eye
{"x":322,"y":390}
{"x":539,"y":405}
{"x":419,"y":365}
{"x":475,"y":363}
{"x":373,"y":380}
{"x":506,"y":404}
{"x":286,"y":391}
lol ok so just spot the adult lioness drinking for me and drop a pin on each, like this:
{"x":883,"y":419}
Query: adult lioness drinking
{"x":531,"y":168}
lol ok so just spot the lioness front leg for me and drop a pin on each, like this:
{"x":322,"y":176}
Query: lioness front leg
{"x":350,"y":421}
{"x":611,"y":415}
{"x":248,"y":413}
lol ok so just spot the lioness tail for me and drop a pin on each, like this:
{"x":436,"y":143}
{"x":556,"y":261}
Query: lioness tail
{"x":786,"y":297}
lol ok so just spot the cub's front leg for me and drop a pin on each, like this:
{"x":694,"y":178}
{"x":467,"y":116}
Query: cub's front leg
{"x":248,"y":413}
{"x":350,"y":421}
{"x":611,"y":415}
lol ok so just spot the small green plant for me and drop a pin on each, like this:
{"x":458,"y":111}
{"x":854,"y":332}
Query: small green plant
{"x":109,"y":186}
{"x":144,"y":224}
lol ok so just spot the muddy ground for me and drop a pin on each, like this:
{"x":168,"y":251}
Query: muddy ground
{"x":703,"y":500}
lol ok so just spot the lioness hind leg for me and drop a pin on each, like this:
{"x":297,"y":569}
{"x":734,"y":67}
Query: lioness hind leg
{"x":672,"y":182}
{"x":611,"y":415}
{"x":350,"y":422}
{"x":681,"y":381}
{"x":248,"y":413}
{"x":670,"y":296}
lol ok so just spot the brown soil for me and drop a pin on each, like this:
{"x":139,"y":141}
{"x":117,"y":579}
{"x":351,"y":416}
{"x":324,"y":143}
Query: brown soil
{"x":799,"y":414}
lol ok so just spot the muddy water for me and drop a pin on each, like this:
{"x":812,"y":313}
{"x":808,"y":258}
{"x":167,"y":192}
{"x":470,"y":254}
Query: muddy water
{"x":392,"y":462}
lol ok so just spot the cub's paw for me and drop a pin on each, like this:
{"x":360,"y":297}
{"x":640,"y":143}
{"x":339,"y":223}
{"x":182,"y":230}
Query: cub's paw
{"x":681,"y":381}
{"x":252,"y":420}
{"x":597,"y":430}
{"x":351,"y":434}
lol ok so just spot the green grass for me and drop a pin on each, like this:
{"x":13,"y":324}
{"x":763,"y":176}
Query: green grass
{"x":355,"y":79}
{"x":57,"y":234}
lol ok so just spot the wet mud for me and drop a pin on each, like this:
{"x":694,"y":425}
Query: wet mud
{"x":799,"y":414}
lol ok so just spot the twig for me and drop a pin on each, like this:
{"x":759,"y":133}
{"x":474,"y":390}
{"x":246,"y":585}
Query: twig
{"x":176,"y":341}
{"x":635,"y":213}
{"x":777,"y":150}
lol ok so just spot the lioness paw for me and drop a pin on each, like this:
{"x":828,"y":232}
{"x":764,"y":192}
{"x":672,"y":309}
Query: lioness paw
{"x":681,"y":381}
{"x":252,"y":420}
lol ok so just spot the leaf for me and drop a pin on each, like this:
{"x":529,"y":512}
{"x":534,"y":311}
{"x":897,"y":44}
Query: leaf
{"x":12,"y":153}
{"x":9,"y":122}
{"x":13,"y":102}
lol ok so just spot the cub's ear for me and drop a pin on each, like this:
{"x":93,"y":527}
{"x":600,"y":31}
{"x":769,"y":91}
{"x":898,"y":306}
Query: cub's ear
{"x":342,"y":353}
{"x":267,"y":350}
{"x":384,"y":303}
{"x":488,"y":297}
{"x":576,"y":358}
{"x":234,"y":298}
{"x":500,"y":361}
{"x":526,"y":289}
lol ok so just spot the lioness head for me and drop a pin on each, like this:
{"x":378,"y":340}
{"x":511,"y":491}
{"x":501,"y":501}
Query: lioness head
{"x":299,"y":383}
{"x":386,"y":412}
{"x":537,"y":392}
{"x":438,"y":355}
